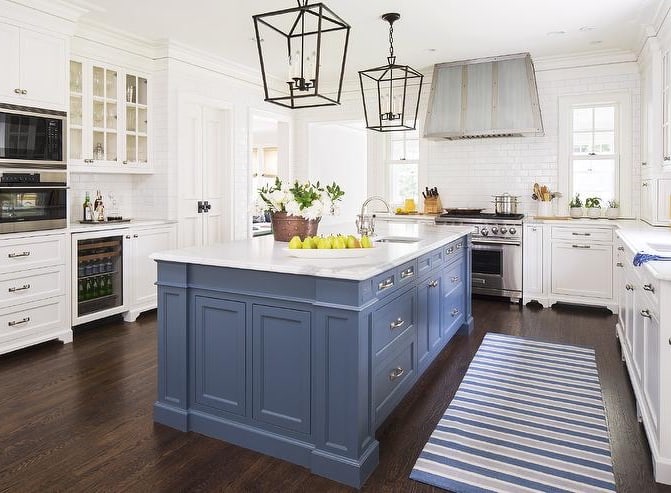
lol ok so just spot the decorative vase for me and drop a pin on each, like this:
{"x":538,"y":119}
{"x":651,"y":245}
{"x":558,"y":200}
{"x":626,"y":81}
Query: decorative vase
{"x":612,"y":212}
{"x":286,"y":226}
{"x":576,"y":212}
{"x":594,"y":212}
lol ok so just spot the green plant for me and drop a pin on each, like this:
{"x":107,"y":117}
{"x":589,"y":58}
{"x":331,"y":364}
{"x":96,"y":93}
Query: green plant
{"x":575,"y":201}
{"x":308,"y":200}
{"x":613,"y":204}
{"x":593,"y":203}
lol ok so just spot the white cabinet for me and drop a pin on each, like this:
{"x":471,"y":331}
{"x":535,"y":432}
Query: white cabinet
{"x":108,"y":126}
{"x":532,"y":251}
{"x":33,"y":270}
{"x":644,"y":328}
{"x":142,"y":242}
{"x":34,"y":69}
{"x":656,"y":201}
{"x":569,"y":262}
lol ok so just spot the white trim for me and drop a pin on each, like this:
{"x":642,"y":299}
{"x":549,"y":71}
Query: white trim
{"x":625,"y":143}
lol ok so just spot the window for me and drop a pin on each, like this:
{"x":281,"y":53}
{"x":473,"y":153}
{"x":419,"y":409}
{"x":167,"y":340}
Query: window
{"x":403,"y":166}
{"x":595,"y":148}
{"x":593,"y":158}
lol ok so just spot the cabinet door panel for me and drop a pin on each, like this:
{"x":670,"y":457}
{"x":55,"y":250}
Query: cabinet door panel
{"x":281,"y":348}
{"x":9,"y":75}
{"x":652,"y":366}
{"x":533,"y":259}
{"x":43,"y":67}
{"x":428,"y":316}
{"x":582,"y":269}
{"x":147,"y":242}
{"x":220,"y":354}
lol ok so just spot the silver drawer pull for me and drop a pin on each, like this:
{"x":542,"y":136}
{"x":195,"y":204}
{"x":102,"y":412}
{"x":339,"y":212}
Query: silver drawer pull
{"x":581,"y":234}
{"x":396,"y":373}
{"x":17,"y":322}
{"x":454,"y":312}
{"x":629,"y":287}
{"x":619,"y":264}
{"x":454,"y":279}
{"x":450,"y":250}
{"x":410,"y":271}
{"x":621,"y":248}
{"x":396,"y":324}
{"x":433,"y":284}
{"x":15,"y":255}
{"x":386,"y":284}
{"x":646,"y":314}
{"x":581,"y":246}
{"x":459,"y":245}
{"x":14,"y":290}
{"x":648,"y":287}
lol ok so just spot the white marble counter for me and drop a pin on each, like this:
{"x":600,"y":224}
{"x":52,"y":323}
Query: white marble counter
{"x":77,"y":227}
{"x":637,"y":235}
{"x":263,"y":253}
{"x":408,"y":218}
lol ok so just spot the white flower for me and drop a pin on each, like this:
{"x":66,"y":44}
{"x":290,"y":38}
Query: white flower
{"x":293,"y":208}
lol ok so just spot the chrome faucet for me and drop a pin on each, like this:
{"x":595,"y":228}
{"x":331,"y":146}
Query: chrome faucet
{"x":365,"y":223}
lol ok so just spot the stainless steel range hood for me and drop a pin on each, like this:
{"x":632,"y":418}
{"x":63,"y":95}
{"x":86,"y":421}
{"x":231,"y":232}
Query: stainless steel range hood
{"x":484,"y":97}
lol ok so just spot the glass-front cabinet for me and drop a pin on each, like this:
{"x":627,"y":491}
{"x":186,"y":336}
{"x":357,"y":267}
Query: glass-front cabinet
{"x":108,"y":125}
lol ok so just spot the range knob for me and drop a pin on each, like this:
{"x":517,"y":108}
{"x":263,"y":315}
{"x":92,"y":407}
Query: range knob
{"x":504,"y":230}
{"x":495,"y":230}
{"x":484,"y":231}
{"x":512,"y":231}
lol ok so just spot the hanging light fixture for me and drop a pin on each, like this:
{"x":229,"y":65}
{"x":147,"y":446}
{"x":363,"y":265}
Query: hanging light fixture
{"x":302,"y":52}
{"x":398,"y":88}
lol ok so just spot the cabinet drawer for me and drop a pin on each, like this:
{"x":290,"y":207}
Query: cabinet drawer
{"x":32,"y":319}
{"x":407,"y":273}
{"x":453,"y":278}
{"x":454,"y":251}
{"x":453,"y":312}
{"x":392,"y":320}
{"x":32,"y":252}
{"x":430,"y":260}
{"x":582,"y":234}
{"x":31,"y":285}
{"x":391,"y":379}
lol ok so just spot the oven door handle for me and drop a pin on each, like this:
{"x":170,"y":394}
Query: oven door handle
{"x":36,"y":186}
{"x":495,"y":243}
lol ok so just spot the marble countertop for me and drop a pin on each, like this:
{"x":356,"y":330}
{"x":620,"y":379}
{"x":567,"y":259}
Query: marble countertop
{"x":637,"y":235}
{"x":77,"y":227}
{"x":263,"y":253}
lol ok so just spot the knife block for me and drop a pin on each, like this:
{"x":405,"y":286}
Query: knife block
{"x":432,"y":205}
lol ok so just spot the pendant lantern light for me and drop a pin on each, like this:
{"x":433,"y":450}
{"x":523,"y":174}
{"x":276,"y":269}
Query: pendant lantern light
{"x":397,"y":89}
{"x":302,"y":51}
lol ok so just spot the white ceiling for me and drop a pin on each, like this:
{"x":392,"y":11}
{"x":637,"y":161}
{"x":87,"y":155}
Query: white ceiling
{"x":430,"y":31}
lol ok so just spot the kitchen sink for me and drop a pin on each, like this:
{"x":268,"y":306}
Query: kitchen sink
{"x":397,"y":239}
{"x":660,"y":247}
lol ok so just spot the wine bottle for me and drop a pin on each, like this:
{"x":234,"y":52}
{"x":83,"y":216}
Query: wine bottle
{"x":88,"y":212}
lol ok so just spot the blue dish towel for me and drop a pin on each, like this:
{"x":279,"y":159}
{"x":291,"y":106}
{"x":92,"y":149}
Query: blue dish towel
{"x":640,"y":258}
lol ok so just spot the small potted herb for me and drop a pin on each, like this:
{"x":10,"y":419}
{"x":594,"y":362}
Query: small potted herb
{"x":576,"y":206}
{"x":593,"y":206}
{"x":613,"y":210}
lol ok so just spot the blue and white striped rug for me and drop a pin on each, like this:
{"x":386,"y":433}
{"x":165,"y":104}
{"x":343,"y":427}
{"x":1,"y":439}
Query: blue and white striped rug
{"x":528,"y":416}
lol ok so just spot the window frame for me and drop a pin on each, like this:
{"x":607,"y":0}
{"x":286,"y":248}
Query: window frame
{"x":389,"y":162}
{"x":623,"y":144}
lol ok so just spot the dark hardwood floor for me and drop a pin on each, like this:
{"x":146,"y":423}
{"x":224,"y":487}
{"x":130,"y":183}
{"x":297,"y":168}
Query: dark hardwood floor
{"x":78,"y":417}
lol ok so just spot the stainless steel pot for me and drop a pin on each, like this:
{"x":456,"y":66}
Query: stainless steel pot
{"x":505,"y":204}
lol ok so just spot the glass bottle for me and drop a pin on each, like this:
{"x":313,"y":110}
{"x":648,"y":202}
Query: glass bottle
{"x":80,"y":291}
{"x":95,"y":288}
{"x":88,"y":289}
{"x":88,"y":208}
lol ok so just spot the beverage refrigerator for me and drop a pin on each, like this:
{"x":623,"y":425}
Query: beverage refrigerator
{"x":99,"y":280}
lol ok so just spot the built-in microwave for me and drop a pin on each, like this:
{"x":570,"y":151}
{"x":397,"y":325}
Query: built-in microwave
{"x":32,"y":201}
{"x":32,"y":138}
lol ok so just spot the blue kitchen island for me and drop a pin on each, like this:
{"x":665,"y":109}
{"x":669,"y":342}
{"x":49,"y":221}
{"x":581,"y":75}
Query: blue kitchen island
{"x":302,"y":358}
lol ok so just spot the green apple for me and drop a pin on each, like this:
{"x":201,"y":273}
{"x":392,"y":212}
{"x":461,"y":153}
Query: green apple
{"x":295,"y":243}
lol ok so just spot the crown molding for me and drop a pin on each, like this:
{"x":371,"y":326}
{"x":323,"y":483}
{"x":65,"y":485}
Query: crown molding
{"x":587,"y":59}
{"x":100,"y":33}
{"x":66,"y":10}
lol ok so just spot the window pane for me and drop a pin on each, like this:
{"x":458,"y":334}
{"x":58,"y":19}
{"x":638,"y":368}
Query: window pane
{"x":604,"y":142}
{"x":604,"y":118}
{"x":594,"y":178}
{"x":404,"y":182}
{"x":582,"y":119}
{"x":582,"y":143}
{"x":397,"y":151}
{"x":412,"y":149}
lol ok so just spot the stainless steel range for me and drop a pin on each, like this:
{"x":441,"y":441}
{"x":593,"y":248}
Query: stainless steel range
{"x":497,"y":251}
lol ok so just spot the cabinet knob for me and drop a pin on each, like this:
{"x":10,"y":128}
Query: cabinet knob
{"x":646,"y":313}
{"x":128,"y":237}
{"x":125,"y":162}
{"x":619,"y":264}
{"x":454,"y":279}
{"x":17,"y":90}
{"x":644,"y":164}
{"x":399,"y":322}
{"x":670,"y":341}
{"x":24,"y":92}
{"x":396,"y":373}
{"x":667,"y":158}
{"x":433,"y":284}
{"x":135,"y":235}
{"x":620,"y":248}
{"x":644,"y":184}
{"x":454,"y":312}
{"x":629,"y":287}
{"x":648,"y":287}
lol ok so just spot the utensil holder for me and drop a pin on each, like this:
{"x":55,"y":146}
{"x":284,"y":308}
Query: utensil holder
{"x":432,"y":205}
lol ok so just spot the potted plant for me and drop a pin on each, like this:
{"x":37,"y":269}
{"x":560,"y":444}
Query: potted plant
{"x":593,"y":206}
{"x":576,"y":206}
{"x":613,"y":210}
{"x":295,"y":210}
